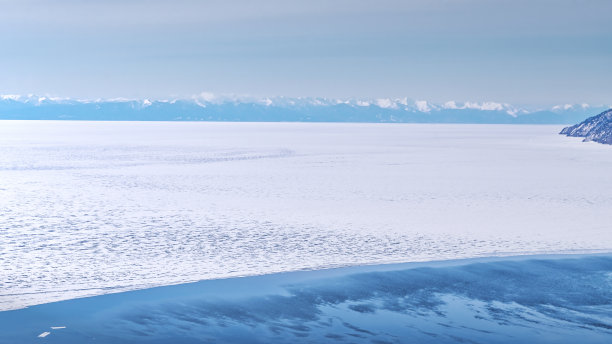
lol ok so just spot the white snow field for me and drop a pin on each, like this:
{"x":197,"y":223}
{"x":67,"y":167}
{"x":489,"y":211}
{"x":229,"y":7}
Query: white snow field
{"x":90,"y":208}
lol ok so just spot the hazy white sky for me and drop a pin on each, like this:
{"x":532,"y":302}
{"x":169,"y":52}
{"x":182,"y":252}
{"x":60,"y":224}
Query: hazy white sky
{"x":524,"y":52}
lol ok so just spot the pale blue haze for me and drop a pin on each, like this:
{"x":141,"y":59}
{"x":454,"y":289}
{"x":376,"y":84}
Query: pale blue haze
{"x":523,"y":52}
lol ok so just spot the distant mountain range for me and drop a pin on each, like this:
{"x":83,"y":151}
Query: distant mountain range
{"x":597,"y":128}
{"x":210,"y":108}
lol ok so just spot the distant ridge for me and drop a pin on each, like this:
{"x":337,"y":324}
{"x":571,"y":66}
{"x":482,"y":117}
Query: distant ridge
{"x":207,"y":107}
{"x":597,"y":128}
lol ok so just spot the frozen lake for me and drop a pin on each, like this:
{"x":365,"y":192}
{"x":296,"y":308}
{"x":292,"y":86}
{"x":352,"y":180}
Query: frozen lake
{"x":90,"y":208}
{"x":526,"y":299}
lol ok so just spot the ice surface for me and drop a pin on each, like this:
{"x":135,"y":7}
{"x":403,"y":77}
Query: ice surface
{"x":542,"y":299}
{"x":90,"y":208}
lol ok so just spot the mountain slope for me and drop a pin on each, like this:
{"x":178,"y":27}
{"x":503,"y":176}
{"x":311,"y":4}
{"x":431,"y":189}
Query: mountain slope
{"x":286,"y":110}
{"x":597,"y":128}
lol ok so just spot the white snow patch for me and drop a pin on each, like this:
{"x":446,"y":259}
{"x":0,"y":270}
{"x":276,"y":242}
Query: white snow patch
{"x":422,"y":106}
{"x":14,"y":97}
{"x":386,"y":103}
{"x":450,"y":105}
{"x":207,"y":96}
{"x":487,"y":106}
{"x":563,"y":107}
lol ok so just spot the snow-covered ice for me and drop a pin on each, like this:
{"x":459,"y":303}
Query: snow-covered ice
{"x":90,"y":208}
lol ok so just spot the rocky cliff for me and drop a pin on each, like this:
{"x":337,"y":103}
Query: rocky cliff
{"x":597,"y":128}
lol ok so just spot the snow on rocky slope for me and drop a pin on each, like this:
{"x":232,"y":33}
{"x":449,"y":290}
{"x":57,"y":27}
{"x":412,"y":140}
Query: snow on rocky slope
{"x":597,"y":128}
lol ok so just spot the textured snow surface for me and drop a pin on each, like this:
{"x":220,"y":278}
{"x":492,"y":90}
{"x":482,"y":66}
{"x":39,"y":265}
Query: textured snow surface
{"x":89,"y":208}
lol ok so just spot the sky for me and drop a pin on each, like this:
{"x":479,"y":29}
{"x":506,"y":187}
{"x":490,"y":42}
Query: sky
{"x":536,"y":52}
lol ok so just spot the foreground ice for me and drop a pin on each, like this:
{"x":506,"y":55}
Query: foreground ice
{"x":89,"y":208}
{"x":511,"y":300}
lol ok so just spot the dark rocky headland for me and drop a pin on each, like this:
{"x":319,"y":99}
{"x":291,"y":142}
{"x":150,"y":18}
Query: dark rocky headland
{"x":597,"y":128}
